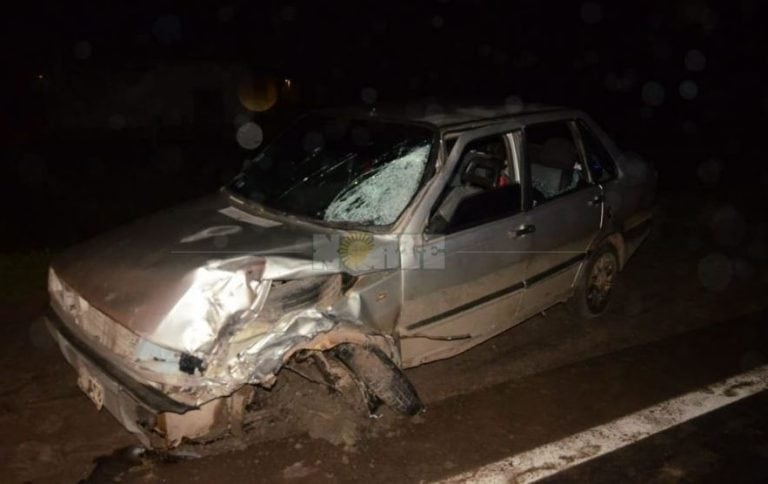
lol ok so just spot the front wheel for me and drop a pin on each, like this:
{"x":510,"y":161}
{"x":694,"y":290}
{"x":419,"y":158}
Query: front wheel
{"x":594,"y":288}
{"x":381,"y":377}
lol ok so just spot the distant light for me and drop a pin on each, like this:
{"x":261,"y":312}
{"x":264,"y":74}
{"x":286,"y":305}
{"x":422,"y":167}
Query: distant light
{"x":40,"y":76}
{"x":287,"y":83}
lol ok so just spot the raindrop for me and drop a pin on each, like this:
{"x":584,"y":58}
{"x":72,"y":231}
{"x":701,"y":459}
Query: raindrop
{"x":40,"y":336}
{"x":437,"y":21}
{"x":380,"y":25}
{"x":312,"y":141}
{"x":614,"y":199}
{"x":225,"y":14}
{"x":361,"y":136}
{"x":32,"y":169}
{"x":653,"y":93}
{"x":742,"y":268}
{"x":433,"y":109}
{"x":715,"y":271}
{"x":591,"y":12}
{"x":751,"y":359}
{"x":116,"y":122}
{"x":513,"y":104}
{"x":82,"y":50}
{"x":484,"y":50}
{"x":695,"y":60}
{"x":709,"y":171}
{"x":220,"y":241}
{"x":728,"y":226}
{"x":288,"y":13}
{"x":249,"y":136}
{"x":369,"y":95}
{"x":688,"y":90}
{"x":689,"y":127}
{"x":500,"y":57}
{"x":241,"y":119}
{"x":167,"y":29}
{"x":758,"y":249}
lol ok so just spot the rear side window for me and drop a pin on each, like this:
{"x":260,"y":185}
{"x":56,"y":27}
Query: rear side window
{"x":598,"y":159}
{"x":553,"y":161}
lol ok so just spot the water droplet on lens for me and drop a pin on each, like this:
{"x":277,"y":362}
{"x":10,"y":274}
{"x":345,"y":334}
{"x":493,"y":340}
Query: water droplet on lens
{"x":369,"y":95}
{"x":715,"y":271}
{"x":249,"y":136}
{"x":591,"y":13}
{"x":688,"y":90}
{"x":82,"y":50}
{"x":653,"y":93}
{"x":695,"y":60}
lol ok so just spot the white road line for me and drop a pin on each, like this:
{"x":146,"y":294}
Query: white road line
{"x":554,"y":457}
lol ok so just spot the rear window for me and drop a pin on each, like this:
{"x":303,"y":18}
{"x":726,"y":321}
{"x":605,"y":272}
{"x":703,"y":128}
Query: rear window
{"x":599,"y":161}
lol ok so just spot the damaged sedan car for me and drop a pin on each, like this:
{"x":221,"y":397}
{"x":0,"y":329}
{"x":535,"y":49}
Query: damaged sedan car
{"x":361,"y":242}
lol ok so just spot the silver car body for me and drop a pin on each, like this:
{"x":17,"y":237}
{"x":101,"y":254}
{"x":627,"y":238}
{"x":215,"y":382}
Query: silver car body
{"x":167,"y":319}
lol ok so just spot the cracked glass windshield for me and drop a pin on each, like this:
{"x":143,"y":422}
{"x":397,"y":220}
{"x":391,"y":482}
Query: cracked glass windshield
{"x":339,"y":170}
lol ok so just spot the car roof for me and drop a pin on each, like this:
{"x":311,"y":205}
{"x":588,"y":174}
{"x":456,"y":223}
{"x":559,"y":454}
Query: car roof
{"x":447,"y":116}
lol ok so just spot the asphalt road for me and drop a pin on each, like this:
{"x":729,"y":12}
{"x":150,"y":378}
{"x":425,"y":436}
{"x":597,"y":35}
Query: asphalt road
{"x":679,"y":322}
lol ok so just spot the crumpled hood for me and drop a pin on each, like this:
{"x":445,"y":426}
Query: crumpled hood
{"x":138,"y":273}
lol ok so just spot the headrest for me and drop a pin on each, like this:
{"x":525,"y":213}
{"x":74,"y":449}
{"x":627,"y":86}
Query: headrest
{"x":483,"y":170}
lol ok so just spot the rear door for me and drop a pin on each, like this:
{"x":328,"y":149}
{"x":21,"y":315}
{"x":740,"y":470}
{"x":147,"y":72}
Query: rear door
{"x":564,"y":206}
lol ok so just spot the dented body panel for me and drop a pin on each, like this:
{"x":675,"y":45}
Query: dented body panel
{"x":174,"y":317}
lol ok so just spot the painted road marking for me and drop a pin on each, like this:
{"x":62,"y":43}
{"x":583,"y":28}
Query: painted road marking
{"x":549,"y":459}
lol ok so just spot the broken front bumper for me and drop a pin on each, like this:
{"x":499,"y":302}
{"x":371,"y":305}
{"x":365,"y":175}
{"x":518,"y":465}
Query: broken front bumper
{"x":135,"y":405}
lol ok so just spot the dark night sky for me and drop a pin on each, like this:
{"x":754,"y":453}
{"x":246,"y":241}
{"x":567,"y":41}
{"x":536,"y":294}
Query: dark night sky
{"x":678,"y":82}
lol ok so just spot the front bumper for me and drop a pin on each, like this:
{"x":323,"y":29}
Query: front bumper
{"x":135,"y":405}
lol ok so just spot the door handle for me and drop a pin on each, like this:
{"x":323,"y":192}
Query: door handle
{"x":597,"y":200}
{"x":522,"y":230}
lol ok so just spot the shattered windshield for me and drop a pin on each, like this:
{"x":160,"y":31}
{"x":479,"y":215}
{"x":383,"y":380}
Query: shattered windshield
{"x":339,"y":170}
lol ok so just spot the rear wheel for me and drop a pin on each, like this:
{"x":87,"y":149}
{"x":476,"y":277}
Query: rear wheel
{"x":596,"y":284}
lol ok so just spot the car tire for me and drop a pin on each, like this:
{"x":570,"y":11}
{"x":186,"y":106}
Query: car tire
{"x":381,"y":377}
{"x":593,"y":292}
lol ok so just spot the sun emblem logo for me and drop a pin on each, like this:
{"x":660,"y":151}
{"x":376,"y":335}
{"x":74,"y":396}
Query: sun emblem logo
{"x":355,"y":248}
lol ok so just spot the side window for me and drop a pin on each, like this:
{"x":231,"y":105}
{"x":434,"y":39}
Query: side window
{"x":552,"y":160}
{"x":598,"y":159}
{"x":480,"y":190}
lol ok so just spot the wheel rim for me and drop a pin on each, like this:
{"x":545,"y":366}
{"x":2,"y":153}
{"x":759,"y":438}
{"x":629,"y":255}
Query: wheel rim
{"x":601,"y":282}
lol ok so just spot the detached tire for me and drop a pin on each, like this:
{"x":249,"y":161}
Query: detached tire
{"x":595,"y":286}
{"x":381,"y":377}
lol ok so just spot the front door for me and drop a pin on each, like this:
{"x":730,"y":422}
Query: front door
{"x":478,"y":289}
